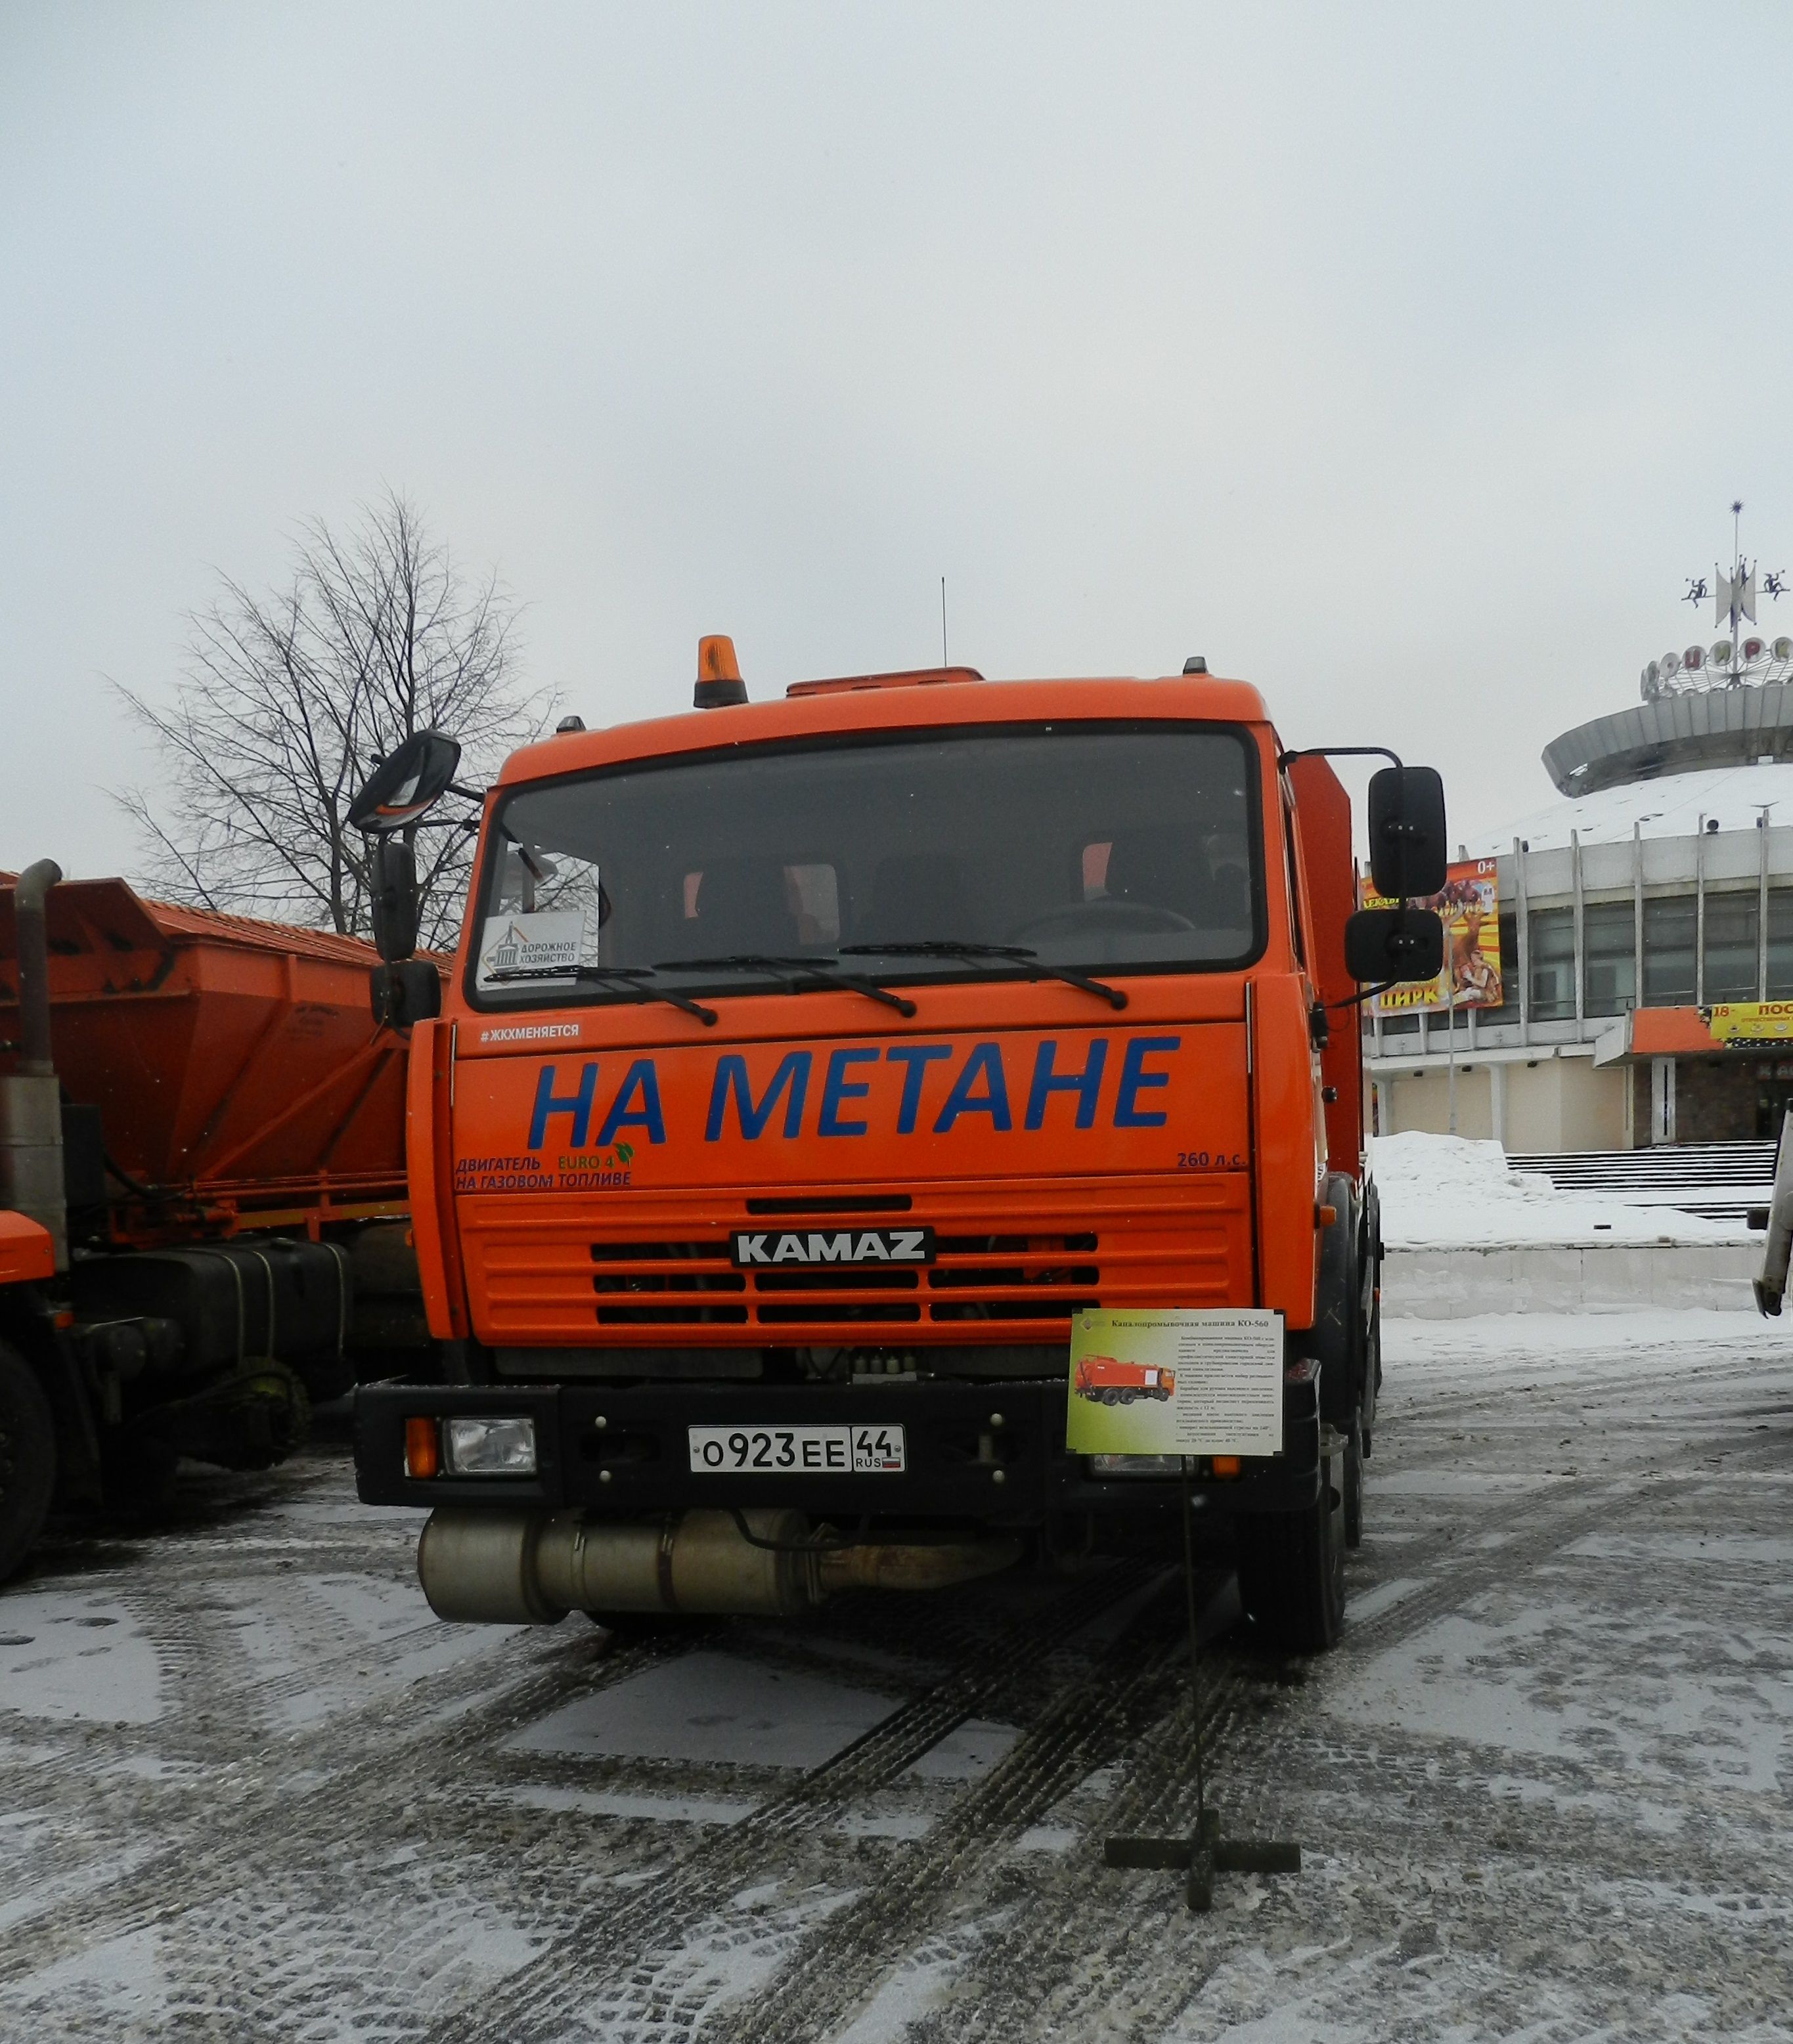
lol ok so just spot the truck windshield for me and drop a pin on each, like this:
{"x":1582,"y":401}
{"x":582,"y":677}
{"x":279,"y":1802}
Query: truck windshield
{"x":1098,"y":847}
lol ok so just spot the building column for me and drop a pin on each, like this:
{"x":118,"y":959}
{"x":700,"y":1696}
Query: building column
{"x":1637,"y":914}
{"x":1662,"y":1100}
{"x":1699,"y":915}
{"x":1497,"y":1101}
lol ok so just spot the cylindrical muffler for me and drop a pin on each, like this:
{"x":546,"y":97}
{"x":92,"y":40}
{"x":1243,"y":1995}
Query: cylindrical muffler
{"x":518,"y":1568}
{"x":479,"y":1567}
{"x":699,"y":1561}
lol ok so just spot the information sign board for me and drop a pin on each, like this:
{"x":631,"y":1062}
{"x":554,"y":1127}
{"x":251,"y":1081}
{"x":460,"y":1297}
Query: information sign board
{"x":1179,"y":1381}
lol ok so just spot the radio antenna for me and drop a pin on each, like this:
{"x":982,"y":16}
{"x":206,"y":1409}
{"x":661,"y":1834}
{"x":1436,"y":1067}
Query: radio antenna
{"x":943,"y":620}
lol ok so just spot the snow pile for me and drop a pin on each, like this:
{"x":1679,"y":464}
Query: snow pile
{"x":1447,"y":1192}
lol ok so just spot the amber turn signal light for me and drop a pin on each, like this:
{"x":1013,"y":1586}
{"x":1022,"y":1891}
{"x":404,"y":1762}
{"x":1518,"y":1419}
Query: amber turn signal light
{"x":423,"y":1448}
{"x":1226,"y":1465}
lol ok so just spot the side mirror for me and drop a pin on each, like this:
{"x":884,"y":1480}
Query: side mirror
{"x":407,"y":993}
{"x":1394,"y":944}
{"x":392,"y":884}
{"x":411,"y":777}
{"x":1408,"y":843}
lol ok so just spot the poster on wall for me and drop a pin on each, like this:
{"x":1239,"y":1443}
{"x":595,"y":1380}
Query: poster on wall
{"x":1470,"y":908}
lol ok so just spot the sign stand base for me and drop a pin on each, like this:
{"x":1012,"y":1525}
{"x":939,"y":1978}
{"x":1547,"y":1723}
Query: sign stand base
{"x":1205,"y":1852}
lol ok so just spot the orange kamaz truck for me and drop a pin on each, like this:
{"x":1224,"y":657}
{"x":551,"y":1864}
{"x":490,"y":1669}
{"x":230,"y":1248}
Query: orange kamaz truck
{"x":808,"y":1064}
{"x":1110,"y":1381}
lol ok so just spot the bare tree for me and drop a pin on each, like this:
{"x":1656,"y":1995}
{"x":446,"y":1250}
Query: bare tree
{"x":289,"y":699}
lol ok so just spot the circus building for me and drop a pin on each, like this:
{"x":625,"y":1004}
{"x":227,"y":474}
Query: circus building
{"x":1620,"y":964}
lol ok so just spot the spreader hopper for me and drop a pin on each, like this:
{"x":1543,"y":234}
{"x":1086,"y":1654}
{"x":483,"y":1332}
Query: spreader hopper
{"x":231,"y":1066}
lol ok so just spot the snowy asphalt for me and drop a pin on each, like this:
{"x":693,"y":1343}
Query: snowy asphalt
{"x":1543,"y":1788}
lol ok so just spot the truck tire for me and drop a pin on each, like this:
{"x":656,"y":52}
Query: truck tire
{"x":28,"y":1459}
{"x":1343,"y":1338}
{"x":1351,"y":1484}
{"x":1291,"y":1570}
{"x":1370,"y":1263}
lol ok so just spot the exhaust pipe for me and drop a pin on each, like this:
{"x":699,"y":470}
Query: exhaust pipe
{"x":31,"y":1165}
{"x":521,"y":1568}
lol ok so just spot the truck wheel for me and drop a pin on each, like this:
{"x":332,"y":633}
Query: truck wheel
{"x":1291,"y":1570}
{"x":28,"y":1459}
{"x":1350,"y":1483}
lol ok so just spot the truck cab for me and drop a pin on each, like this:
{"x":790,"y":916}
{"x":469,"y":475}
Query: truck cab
{"x":806,"y":1066}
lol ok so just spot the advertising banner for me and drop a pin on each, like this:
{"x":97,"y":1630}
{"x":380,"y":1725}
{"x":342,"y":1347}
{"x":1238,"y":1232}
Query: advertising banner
{"x":1176,"y":1381}
{"x":1750,"y":1021}
{"x":1471,"y":977}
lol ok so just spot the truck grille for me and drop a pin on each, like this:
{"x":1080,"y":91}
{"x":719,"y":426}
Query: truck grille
{"x":1011,"y":1269}
{"x":691,"y":1284}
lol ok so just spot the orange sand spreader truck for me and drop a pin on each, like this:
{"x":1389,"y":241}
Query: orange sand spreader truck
{"x":807,"y":1065}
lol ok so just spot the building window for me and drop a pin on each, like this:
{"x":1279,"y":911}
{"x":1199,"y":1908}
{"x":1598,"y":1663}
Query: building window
{"x":1608,"y":933}
{"x":1552,"y":963}
{"x":1669,"y":927}
{"x":1731,"y":925}
{"x":1780,"y":943}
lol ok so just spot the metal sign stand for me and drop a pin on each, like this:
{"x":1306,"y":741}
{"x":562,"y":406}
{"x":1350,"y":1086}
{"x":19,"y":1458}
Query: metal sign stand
{"x":1205,"y":1852}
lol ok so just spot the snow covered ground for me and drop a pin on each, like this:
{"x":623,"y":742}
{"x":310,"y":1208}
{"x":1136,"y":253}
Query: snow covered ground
{"x":1447,"y":1192}
{"x":1543,"y":1787}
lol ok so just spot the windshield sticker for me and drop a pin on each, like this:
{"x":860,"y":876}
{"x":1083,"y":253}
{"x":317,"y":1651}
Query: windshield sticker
{"x":541,"y":950}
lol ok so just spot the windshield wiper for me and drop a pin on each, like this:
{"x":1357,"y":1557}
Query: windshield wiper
{"x":819,"y":970}
{"x":1018,"y":953}
{"x":634,"y":976}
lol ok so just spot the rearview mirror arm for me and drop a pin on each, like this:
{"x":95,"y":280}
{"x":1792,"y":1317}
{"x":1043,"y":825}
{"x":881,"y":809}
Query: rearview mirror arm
{"x":1336,"y":752}
{"x":1365,"y":993}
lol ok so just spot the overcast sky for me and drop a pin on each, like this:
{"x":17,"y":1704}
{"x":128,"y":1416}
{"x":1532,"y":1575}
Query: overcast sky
{"x":1401,"y":360}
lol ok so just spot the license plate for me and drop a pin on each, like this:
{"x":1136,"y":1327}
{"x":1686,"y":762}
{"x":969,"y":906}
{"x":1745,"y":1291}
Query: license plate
{"x":797,"y":1451}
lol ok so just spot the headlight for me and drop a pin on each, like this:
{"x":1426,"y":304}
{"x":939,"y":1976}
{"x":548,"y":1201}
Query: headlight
{"x":480,"y":1446}
{"x":1112,"y":1465}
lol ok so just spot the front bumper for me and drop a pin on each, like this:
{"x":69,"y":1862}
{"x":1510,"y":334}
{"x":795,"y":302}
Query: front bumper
{"x":992,"y":1453}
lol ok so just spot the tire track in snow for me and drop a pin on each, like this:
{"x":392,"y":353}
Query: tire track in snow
{"x":650,"y":1928}
{"x":1058,"y":1967}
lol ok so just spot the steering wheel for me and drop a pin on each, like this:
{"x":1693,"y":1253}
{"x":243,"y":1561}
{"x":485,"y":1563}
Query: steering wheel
{"x":1105,"y":912}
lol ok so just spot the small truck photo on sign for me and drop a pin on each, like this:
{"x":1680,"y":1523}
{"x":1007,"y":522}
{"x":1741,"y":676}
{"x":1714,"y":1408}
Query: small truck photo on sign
{"x":1176,"y":1382}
